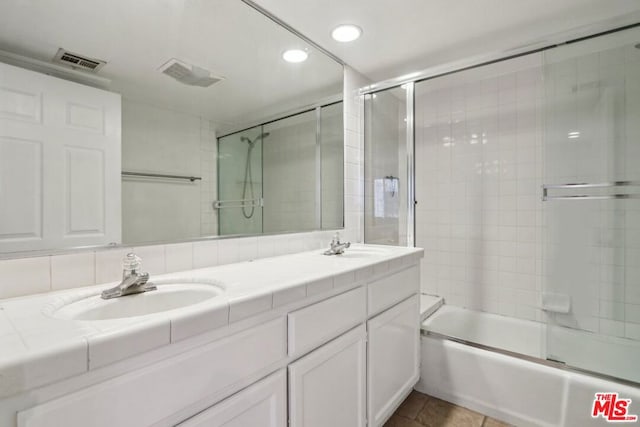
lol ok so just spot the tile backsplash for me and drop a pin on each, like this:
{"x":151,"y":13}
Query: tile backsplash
{"x":25,"y":276}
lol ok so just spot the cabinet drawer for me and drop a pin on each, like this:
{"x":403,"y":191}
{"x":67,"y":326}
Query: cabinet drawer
{"x":152,"y":394}
{"x":263,"y":404}
{"x":390,"y":290}
{"x":313,"y":326}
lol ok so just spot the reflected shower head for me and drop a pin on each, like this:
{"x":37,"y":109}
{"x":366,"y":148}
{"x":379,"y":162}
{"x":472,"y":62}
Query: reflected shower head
{"x":250,"y":142}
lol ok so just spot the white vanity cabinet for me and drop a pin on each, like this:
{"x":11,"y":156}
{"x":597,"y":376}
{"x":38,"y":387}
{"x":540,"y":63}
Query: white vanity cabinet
{"x":163,"y":391}
{"x":345,"y":360}
{"x":328,"y":386}
{"x":263,"y":404}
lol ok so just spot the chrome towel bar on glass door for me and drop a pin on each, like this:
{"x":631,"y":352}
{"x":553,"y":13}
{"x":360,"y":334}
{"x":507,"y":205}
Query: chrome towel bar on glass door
{"x":159,"y":175}
{"x":246,"y":203}
{"x":546,"y":188}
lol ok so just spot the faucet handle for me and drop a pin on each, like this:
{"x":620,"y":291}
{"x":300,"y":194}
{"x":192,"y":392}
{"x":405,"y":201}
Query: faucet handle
{"x":131,"y":262}
{"x":336,"y":237}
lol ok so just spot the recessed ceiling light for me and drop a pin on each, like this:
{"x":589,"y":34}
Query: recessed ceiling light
{"x":346,"y":33}
{"x":295,"y":55}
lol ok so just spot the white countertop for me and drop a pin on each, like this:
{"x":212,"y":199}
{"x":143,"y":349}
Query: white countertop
{"x":38,"y":349}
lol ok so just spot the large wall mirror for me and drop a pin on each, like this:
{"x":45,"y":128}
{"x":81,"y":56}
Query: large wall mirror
{"x":162,"y":121}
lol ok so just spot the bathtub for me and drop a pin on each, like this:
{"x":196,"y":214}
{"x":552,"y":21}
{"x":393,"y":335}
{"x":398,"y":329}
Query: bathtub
{"x":496,"y":365}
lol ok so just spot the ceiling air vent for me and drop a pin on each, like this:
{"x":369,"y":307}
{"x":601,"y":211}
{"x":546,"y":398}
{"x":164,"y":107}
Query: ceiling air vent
{"x":78,"y":61}
{"x":188,"y":74}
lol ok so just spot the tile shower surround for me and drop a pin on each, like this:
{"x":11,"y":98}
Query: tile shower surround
{"x":31,"y":275}
{"x":480,"y":162}
{"x":478,"y":175}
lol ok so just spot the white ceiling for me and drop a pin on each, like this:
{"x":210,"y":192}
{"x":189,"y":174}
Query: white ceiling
{"x":410,"y":35}
{"x":226,"y":37}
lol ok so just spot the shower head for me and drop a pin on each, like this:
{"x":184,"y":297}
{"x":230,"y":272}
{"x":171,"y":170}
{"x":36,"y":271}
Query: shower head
{"x":245,"y":139}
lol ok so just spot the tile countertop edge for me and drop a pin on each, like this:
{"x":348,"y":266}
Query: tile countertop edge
{"x":25,"y":371}
{"x":43,"y":366}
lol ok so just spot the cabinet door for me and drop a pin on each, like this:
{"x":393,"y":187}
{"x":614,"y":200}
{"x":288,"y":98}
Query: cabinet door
{"x":263,"y":404}
{"x":394,"y":356}
{"x":328,"y":386}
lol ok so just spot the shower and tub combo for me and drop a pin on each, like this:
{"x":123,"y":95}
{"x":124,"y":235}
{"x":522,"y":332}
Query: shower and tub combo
{"x":522,"y":184}
{"x":282,"y":175}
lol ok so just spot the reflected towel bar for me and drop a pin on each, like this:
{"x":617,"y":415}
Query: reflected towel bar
{"x":546,"y":188}
{"x":246,"y":203}
{"x":158,"y":175}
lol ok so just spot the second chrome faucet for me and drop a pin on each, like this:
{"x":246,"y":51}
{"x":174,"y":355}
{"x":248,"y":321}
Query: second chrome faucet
{"x":336,"y":247}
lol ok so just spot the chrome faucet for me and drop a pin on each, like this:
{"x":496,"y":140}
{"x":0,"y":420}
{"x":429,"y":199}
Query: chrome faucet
{"x":336,"y":246}
{"x":133,"y":281}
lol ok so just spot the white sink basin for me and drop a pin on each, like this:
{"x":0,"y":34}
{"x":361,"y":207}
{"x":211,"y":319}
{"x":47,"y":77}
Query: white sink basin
{"x":168,"y":296}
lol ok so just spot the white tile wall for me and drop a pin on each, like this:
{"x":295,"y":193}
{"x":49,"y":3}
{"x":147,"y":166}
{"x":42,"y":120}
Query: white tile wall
{"x":205,"y":254}
{"x":73,"y":270}
{"x":289,"y":174}
{"x":25,"y":276}
{"x":490,"y":242}
{"x":209,"y":184}
{"x":179,"y":257}
{"x":149,"y":136}
{"x":478,"y":176}
{"x":592,"y":136}
{"x":354,"y":147}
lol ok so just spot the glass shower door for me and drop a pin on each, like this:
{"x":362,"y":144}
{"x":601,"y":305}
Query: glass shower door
{"x":591,"y":209}
{"x":289,"y":173}
{"x":239,"y":203}
{"x":388,"y":125}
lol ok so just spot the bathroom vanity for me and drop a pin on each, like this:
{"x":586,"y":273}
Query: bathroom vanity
{"x":303,"y":339}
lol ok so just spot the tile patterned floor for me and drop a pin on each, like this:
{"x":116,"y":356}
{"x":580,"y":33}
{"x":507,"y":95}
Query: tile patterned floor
{"x":420,"y":410}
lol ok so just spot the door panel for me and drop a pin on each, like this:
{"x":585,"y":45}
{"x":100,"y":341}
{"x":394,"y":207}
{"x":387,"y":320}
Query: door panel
{"x":60,"y":148}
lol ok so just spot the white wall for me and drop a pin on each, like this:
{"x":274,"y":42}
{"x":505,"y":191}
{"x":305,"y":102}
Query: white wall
{"x":157,"y":140}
